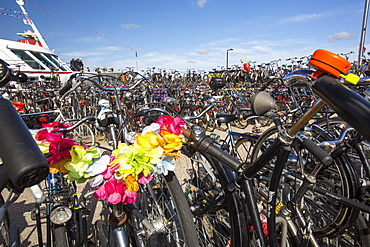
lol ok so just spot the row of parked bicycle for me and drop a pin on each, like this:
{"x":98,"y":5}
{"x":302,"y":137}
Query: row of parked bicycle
{"x":248,"y":72}
{"x":168,"y":179}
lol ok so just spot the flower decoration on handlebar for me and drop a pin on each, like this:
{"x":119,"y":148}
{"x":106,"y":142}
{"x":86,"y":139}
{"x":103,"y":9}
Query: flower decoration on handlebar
{"x":117,"y":177}
{"x":64,"y":155}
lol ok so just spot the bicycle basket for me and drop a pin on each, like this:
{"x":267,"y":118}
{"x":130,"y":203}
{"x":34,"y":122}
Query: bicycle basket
{"x":217,"y":83}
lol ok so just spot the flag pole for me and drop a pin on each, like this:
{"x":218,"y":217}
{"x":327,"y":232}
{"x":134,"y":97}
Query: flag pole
{"x":39,"y":36}
{"x":363,"y":33}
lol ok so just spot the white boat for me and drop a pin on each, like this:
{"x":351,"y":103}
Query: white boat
{"x":32,"y":56}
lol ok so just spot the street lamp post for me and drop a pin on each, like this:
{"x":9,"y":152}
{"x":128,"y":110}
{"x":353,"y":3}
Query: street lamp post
{"x":227,"y":57}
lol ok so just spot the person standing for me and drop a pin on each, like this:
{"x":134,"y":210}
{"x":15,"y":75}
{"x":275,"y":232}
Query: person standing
{"x":72,"y":64}
{"x":80,"y":65}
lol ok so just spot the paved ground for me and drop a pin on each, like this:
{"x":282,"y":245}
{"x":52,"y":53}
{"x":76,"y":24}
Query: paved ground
{"x":22,"y":209}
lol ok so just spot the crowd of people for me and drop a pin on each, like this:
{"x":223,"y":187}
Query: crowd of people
{"x":76,"y":64}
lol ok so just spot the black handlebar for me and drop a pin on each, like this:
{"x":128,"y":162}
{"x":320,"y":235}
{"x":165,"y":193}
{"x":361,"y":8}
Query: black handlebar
{"x":206,"y":145}
{"x":22,"y":159}
{"x":6,"y":74}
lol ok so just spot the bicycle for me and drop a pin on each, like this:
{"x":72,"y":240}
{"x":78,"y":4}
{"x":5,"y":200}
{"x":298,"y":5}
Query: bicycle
{"x":57,"y":201}
{"x":23,"y":164}
{"x":238,"y":144}
{"x":107,"y":120}
{"x":160,"y":216}
{"x":82,"y":133}
{"x":294,"y":232}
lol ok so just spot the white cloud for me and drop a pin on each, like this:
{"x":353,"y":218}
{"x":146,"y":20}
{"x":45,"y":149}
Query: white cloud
{"x":201,"y":3}
{"x":261,"y":48}
{"x":81,"y":54}
{"x":300,"y":18}
{"x":112,"y":48}
{"x":91,"y":39}
{"x":221,"y":42}
{"x":339,"y":36}
{"x":130,"y":26}
{"x":203,"y":51}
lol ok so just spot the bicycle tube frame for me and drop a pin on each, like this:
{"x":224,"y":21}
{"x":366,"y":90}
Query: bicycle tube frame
{"x":281,"y":149}
{"x":278,"y":143}
{"x":226,"y":177}
{"x":231,"y":140}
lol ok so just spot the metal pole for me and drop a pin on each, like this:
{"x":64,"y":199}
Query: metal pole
{"x":227,"y":59}
{"x":363,"y":33}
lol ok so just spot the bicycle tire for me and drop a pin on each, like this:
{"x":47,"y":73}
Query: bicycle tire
{"x":59,"y":235}
{"x":344,"y":215}
{"x":111,"y":136}
{"x":82,"y":135}
{"x":163,"y":203}
{"x":219,"y":220}
{"x":101,"y":234}
{"x":244,"y":148}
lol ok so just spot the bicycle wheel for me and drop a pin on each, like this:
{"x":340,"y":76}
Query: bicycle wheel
{"x":329,"y":218}
{"x":82,"y":135}
{"x":218,"y":218}
{"x":244,"y":148}
{"x":163,"y":203}
{"x":59,"y":235}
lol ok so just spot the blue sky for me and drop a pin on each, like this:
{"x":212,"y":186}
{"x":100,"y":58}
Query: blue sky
{"x":189,"y":34}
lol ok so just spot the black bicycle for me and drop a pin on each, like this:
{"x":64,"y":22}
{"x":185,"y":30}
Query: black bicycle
{"x":307,"y":196}
{"x":23,"y":165}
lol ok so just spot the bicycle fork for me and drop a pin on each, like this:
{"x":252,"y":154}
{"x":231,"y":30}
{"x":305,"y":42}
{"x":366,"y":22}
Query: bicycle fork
{"x":117,"y":218}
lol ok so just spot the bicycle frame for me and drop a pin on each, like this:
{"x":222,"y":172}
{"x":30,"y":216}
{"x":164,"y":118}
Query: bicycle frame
{"x":228,"y":143}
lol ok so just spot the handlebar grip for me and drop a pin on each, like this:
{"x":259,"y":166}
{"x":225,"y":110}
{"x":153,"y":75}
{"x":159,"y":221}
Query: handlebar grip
{"x":318,"y":152}
{"x":208,"y":146}
{"x":66,"y":87}
{"x":22,"y":159}
{"x":350,"y":106}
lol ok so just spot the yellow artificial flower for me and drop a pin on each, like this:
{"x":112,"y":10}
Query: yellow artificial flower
{"x":173,"y":142}
{"x":148,"y":142}
{"x":54,"y":168}
{"x":44,"y":146}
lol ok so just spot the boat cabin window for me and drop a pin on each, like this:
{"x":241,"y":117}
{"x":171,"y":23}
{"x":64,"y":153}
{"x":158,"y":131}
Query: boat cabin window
{"x":28,"y":59}
{"x":44,"y":60}
{"x":55,"y":61}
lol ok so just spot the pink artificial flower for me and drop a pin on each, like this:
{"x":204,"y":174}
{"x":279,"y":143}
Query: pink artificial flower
{"x":59,"y":148}
{"x":115,"y":191}
{"x":53,"y":136}
{"x":100,"y":193}
{"x":41,"y":134}
{"x":129,"y":197}
{"x":108,"y":173}
{"x":172,"y":125}
{"x":144,"y":180}
{"x":112,"y":191}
